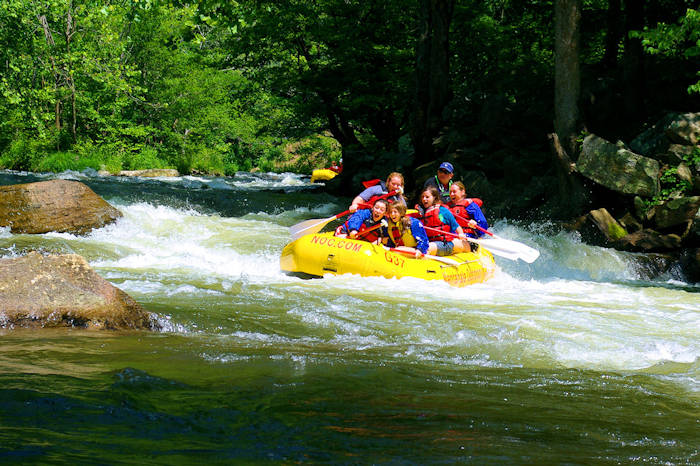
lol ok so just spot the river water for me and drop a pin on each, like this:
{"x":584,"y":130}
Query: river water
{"x":578,"y":358}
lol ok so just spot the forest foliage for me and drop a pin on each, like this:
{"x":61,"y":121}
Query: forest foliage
{"x":221,"y":86}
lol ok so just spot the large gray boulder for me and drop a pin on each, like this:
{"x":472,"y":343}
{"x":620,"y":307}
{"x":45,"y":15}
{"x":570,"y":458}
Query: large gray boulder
{"x":62,"y":290}
{"x":690,"y":262}
{"x":56,"y":205}
{"x":667,"y":137}
{"x":648,"y":240}
{"x":653,"y":141}
{"x":618,"y":168}
{"x":677,"y":211}
{"x":684,"y":129}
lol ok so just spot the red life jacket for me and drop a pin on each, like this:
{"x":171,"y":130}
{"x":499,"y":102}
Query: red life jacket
{"x":370,"y":236}
{"x":431,"y":219}
{"x":335,"y":167}
{"x":396,"y":234}
{"x":459,"y":209}
{"x":370,"y":202}
{"x":466,"y":202}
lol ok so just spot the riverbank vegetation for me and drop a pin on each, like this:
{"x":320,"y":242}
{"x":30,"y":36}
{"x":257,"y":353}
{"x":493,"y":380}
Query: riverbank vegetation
{"x":217,"y":87}
{"x":132,"y":85}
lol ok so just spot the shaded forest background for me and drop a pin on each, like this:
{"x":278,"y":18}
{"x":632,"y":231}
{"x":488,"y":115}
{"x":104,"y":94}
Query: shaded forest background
{"x":217,"y":87}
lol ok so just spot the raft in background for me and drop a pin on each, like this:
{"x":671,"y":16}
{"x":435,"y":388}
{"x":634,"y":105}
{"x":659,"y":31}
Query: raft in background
{"x":323,"y":253}
{"x":322,"y":174}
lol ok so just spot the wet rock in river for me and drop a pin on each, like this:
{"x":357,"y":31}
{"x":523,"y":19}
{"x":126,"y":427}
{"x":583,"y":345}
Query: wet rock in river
{"x":151,"y":172}
{"x":607,"y":224}
{"x":648,"y":240}
{"x":63,"y":290}
{"x":56,"y":205}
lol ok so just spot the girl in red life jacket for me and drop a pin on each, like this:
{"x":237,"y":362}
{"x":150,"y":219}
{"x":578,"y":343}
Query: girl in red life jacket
{"x":366,"y":224}
{"x":437,"y":219}
{"x":394,"y":183}
{"x":467,"y":211}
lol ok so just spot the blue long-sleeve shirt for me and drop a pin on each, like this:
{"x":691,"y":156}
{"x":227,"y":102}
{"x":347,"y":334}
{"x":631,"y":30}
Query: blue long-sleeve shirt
{"x":356,"y":221}
{"x":418,"y":232}
{"x":477,"y":214}
{"x":419,"y":235}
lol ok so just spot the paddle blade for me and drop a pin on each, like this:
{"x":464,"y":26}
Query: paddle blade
{"x":308,"y":227}
{"x":311,"y":226}
{"x":509,"y":249}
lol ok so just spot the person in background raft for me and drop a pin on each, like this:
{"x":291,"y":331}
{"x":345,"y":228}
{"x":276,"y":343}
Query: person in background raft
{"x":337,"y":167}
{"x":366,"y":224}
{"x":442,"y":181}
{"x":406,"y":231}
{"x":439,"y":223}
{"x":379,"y":190}
{"x":467,"y":211}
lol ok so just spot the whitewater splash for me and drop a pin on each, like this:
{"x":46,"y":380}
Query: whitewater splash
{"x":546,"y":314}
{"x":577,"y":306}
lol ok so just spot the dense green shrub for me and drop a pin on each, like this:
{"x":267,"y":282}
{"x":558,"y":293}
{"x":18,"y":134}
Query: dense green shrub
{"x":21,"y":154}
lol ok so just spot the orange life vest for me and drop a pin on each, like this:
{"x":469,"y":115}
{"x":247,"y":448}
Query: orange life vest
{"x":459,"y":209}
{"x":431,"y":219}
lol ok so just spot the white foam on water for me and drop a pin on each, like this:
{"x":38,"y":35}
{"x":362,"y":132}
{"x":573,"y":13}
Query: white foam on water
{"x":562,"y":311}
{"x":153,"y":243}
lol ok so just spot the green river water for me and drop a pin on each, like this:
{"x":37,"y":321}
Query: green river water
{"x":578,"y":358}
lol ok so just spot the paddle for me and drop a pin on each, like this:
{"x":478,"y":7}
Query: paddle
{"x":444,"y":260}
{"x":311,"y":226}
{"x":502,"y":247}
{"x":383,"y":223}
{"x":314,"y":225}
{"x":510,"y":247}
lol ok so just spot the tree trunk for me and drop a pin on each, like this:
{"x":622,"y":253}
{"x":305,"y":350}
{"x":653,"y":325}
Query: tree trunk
{"x":572,"y":196}
{"x":56,"y":76}
{"x":567,"y":72}
{"x":351,"y":147}
{"x":433,"y":91}
{"x":633,"y":66}
{"x":567,"y":90}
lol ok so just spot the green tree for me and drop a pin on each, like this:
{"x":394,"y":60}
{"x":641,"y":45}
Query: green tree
{"x":340,"y":65}
{"x":65,"y":75}
{"x":680,"y":40}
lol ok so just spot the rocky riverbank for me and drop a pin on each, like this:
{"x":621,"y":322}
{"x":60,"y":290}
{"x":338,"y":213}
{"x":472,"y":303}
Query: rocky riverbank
{"x":646,"y":194}
{"x":642,"y":196}
{"x":39,"y":290}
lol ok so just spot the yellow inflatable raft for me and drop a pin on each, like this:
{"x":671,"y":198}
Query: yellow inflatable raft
{"x":324,"y":253}
{"x":322,"y":174}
